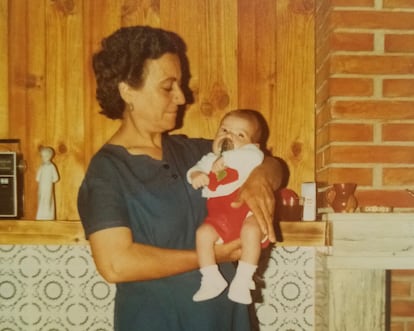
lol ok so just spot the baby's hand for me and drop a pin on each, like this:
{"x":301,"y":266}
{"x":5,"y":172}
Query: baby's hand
{"x":199,"y":179}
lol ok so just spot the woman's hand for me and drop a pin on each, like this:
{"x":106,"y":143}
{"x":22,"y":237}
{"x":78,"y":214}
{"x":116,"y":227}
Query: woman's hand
{"x":258,"y":192}
{"x":228,"y":252}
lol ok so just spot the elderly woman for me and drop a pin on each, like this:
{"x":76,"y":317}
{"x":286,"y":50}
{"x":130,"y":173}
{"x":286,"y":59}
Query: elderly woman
{"x":138,"y":211}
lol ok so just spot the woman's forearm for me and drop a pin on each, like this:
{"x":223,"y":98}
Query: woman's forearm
{"x":119,"y":259}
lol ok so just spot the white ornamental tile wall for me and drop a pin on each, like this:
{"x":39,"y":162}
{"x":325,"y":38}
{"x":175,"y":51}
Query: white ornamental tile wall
{"x":287,"y":298}
{"x":52,"y":288}
{"x":57,"y":288}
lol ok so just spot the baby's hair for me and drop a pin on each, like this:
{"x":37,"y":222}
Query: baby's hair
{"x":253,"y":116}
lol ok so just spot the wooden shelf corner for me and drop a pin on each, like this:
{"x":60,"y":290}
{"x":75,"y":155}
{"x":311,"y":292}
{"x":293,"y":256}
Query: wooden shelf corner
{"x":41,"y":232}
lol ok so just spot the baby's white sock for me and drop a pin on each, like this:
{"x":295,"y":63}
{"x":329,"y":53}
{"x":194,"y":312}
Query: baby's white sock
{"x":239,"y":290}
{"x":212,"y":283}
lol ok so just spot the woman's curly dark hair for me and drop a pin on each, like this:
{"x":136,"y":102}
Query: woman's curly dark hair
{"x":122,"y":59}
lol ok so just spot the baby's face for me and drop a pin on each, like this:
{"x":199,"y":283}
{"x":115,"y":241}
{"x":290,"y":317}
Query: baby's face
{"x":238,"y":131}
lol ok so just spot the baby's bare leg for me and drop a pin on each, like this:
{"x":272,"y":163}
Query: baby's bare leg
{"x":212,"y":281}
{"x":251,"y":237}
{"x":241,"y":285}
{"x":206,"y":238}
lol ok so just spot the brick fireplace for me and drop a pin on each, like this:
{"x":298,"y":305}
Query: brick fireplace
{"x":365,"y":112}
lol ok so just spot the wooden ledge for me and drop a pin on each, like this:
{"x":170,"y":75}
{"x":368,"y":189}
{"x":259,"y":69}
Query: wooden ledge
{"x":304,"y":233}
{"x":25,"y":232}
{"x":41,"y":232}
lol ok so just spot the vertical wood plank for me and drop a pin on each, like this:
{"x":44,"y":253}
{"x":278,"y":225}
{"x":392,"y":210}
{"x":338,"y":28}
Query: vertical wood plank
{"x":17,"y":62}
{"x":36,"y":115}
{"x":17,"y":70}
{"x":71,"y":149}
{"x":292,"y":122}
{"x":257,"y":55}
{"x":101,"y":18}
{"x":4,"y":72}
{"x":210,"y":30}
{"x":257,"y":59}
{"x":64,"y":98}
{"x":145,"y":12}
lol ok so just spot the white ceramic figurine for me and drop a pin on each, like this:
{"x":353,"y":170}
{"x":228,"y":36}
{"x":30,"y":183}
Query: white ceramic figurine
{"x":46,"y":176}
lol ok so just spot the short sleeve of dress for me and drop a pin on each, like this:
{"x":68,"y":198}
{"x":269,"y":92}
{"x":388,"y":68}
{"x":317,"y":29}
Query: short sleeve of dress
{"x":100,"y":202}
{"x":114,"y":176}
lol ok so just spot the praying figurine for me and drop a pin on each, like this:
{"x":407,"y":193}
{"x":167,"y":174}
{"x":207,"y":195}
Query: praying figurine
{"x":46,"y":176}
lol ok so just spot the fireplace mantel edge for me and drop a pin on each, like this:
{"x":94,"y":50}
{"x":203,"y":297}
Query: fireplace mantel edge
{"x":371,"y":240}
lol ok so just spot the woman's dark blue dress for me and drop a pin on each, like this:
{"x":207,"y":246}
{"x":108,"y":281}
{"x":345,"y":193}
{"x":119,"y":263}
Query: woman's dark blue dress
{"x":154,"y":200}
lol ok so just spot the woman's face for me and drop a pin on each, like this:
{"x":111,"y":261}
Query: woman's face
{"x":156,"y":102}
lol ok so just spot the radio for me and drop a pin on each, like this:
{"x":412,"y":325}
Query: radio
{"x":11,"y":179}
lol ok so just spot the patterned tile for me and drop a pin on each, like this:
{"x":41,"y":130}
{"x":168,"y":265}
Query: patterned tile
{"x":57,"y":288}
{"x":52,"y":288}
{"x":288,"y":295}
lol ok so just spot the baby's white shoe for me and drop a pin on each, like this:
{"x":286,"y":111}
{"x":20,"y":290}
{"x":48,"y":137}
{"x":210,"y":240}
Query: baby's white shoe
{"x":242,"y":283}
{"x":239,"y":291}
{"x":212,"y":284}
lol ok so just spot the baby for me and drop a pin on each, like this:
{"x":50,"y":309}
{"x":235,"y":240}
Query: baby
{"x":220,"y":173}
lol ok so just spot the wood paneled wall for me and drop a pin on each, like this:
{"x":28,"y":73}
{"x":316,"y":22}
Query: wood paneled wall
{"x":244,"y":53}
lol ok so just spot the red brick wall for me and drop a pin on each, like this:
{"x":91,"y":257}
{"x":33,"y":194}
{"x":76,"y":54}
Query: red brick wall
{"x":402,"y":300}
{"x":365,"y":111}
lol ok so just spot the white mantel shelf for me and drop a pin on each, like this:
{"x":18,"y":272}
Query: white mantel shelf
{"x":353,"y":284}
{"x":371,"y":240}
